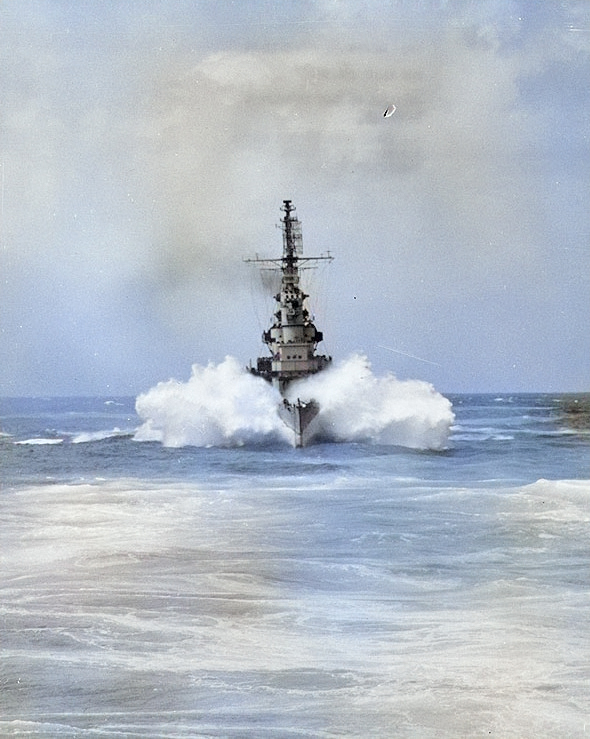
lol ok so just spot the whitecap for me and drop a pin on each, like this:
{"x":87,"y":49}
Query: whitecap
{"x":88,"y":436}
{"x":39,"y":441}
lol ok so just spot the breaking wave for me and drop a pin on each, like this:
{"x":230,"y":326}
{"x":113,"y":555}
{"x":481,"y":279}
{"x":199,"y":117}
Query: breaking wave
{"x":225,"y":405}
{"x":86,"y":437}
{"x":38,"y":441}
{"x":356,"y":405}
{"x":220,"y":405}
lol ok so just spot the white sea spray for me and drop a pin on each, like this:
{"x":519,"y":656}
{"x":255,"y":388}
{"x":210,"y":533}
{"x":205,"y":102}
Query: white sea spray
{"x":356,"y":405}
{"x":220,"y":405}
{"x":225,"y":405}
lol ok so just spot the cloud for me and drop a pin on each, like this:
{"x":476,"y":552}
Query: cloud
{"x":143,"y":156}
{"x":232,"y":134}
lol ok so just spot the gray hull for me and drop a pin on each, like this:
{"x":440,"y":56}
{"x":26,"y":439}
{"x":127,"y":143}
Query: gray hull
{"x":298,"y":416}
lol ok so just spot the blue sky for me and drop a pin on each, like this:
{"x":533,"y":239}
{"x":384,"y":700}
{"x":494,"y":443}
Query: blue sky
{"x":145,"y":149}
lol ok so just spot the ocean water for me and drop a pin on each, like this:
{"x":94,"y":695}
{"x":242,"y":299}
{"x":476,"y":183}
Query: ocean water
{"x":163,"y":583}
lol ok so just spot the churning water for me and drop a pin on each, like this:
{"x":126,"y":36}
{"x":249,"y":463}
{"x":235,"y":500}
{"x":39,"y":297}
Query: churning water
{"x":412,"y":575}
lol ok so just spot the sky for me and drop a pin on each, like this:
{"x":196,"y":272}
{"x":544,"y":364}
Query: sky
{"x":146,"y":148}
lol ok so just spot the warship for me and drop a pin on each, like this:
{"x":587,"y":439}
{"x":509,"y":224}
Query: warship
{"x":293,"y":338}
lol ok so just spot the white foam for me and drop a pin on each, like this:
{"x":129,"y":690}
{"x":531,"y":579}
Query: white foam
{"x":564,"y":500}
{"x":220,"y":405}
{"x":87,"y":436}
{"x":39,"y":441}
{"x":358,"y":406}
{"x":309,"y":599}
{"x":225,"y":405}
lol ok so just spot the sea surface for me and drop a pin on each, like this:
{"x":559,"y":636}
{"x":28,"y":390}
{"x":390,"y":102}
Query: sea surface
{"x":347,"y":589}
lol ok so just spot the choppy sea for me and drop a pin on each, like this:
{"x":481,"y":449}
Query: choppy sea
{"x":351,"y":589}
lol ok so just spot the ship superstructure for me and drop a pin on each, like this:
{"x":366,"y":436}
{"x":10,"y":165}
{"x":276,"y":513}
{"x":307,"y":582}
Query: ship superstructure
{"x":293,"y":338}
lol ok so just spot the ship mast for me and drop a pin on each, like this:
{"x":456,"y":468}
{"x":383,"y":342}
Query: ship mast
{"x":292,"y":339}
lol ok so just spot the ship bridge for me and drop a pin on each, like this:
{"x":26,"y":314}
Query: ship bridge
{"x":292,"y":338}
